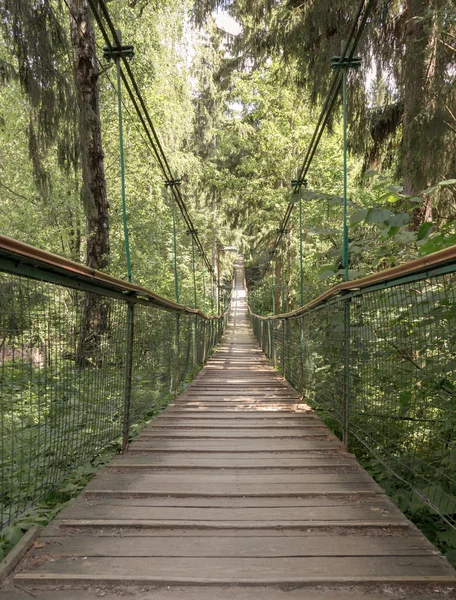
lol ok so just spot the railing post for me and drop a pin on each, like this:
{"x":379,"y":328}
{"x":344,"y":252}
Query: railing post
{"x":176,"y":356}
{"x":301,"y":357}
{"x":194,"y":343}
{"x":204,"y":341}
{"x":346,"y":396}
{"x":128,"y":374}
{"x":272,"y":351}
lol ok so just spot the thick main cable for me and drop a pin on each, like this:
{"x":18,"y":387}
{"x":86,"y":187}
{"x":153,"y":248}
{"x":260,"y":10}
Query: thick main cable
{"x":349,"y":51}
{"x":146,"y":120}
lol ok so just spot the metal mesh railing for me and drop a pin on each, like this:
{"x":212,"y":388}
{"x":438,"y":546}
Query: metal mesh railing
{"x":380,"y":359}
{"x":81,"y":361}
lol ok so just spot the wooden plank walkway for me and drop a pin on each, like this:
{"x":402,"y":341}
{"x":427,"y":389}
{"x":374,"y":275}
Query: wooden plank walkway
{"x":236,"y":491}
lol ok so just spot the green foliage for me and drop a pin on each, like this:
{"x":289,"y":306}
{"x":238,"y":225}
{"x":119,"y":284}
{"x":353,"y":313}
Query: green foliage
{"x":56,"y":499}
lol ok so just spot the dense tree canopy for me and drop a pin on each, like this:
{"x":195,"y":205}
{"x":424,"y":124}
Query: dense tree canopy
{"x":235,"y":114}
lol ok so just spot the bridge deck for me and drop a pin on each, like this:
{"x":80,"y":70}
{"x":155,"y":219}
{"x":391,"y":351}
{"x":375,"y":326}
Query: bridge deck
{"x":236,"y":491}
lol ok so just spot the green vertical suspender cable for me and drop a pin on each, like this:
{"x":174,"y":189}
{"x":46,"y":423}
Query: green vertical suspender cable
{"x":299,"y":184}
{"x":176,"y":274}
{"x":193,"y":232}
{"x":283,"y":274}
{"x":204,"y":288}
{"x":172,"y":184}
{"x":344,"y":63}
{"x":273,"y":291}
{"x":359,"y":23}
{"x":345,"y":242}
{"x":116,"y":53}
{"x":301,"y":282}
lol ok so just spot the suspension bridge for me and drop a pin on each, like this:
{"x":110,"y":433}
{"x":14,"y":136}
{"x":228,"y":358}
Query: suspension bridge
{"x":237,"y":490}
{"x":242,"y":484}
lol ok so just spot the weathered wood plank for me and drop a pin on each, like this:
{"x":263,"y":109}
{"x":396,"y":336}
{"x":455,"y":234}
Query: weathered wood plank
{"x":314,"y":545}
{"x":268,"y":517}
{"x":222,"y":433}
{"x":247,"y":445}
{"x":243,"y":420}
{"x":244,"y":570}
{"x":253,"y":476}
{"x":221,"y":408}
{"x":249,"y":422}
{"x":230,"y":461}
{"x":296,"y":502}
{"x":238,"y":592}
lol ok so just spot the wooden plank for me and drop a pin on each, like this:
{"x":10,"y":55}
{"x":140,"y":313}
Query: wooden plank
{"x":230,"y":461}
{"x":296,"y":445}
{"x":241,"y":422}
{"x":216,"y":425}
{"x":221,"y":408}
{"x":215,"y":592}
{"x":289,"y":570}
{"x":296,"y":502}
{"x":241,"y":416}
{"x":222,"y":433}
{"x":253,"y":476}
{"x":312,"y":545}
{"x":223,"y":398}
{"x":237,"y":517}
{"x":236,"y":406}
{"x":229,"y":490}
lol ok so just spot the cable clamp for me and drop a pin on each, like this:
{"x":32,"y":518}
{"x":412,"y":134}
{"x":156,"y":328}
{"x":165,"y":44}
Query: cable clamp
{"x":298,"y":183}
{"x":345,"y":62}
{"x":114,"y":52}
{"x":172,"y":182}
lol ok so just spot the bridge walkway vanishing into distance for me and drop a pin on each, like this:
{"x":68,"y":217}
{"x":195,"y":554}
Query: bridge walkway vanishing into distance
{"x":237,"y":490}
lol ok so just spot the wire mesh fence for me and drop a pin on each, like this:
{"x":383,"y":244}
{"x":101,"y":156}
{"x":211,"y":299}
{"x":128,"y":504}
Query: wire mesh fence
{"x":77,"y":370}
{"x":380,"y":362}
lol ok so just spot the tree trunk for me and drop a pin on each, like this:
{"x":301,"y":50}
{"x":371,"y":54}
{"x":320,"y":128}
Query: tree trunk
{"x":93,"y":191}
{"x":415,"y":151}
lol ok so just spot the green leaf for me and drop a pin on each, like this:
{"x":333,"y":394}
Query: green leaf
{"x":447,"y":182}
{"x":378,"y":215}
{"x":395,"y":189}
{"x":358,"y":216}
{"x":451,"y":557}
{"x":13,"y":535}
{"x":326,"y":271}
{"x":405,"y":237}
{"x":424,"y":230}
{"x":392,"y":231}
{"x":398,"y":220}
{"x":405,"y":398}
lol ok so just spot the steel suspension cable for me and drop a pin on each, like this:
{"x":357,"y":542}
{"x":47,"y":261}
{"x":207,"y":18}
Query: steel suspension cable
{"x":349,"y":50}
{"x":145,"y":119}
